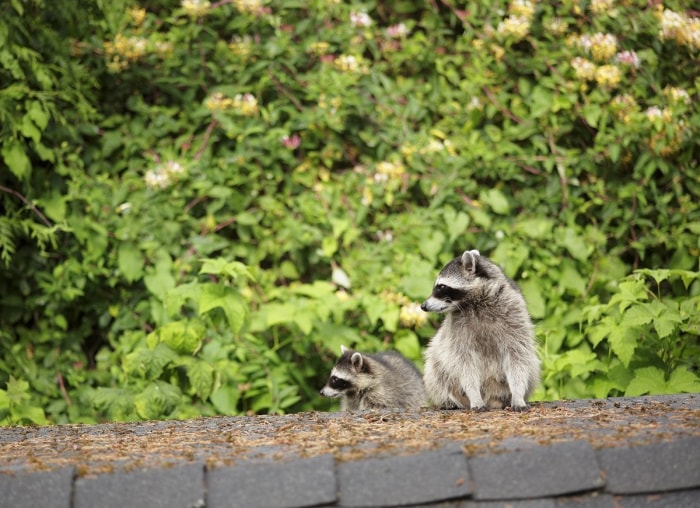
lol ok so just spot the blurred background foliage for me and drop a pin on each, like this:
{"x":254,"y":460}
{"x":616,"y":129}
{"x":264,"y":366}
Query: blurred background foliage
{"x":203,"y":200}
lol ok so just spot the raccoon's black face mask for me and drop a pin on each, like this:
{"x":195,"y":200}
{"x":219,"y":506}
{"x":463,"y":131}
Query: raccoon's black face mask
{"x":339,"y":384}
{"x":454,"y":282}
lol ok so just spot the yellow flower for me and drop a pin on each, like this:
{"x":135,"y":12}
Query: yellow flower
{"x":515,"y":26}
{"x":248,"y":6}
{"x":608,"y":76}
{"x":676,"y":95}
{"x":521,"y":9}
{"x":137,"y":15}
{"x":367,"y":196}
{"x":498,"y":51}
{"x":163,"y":48}
{"x":195,"y":8}
{"x":126,"y":48}
{"x":623,"y":106}
{"x":246,"y":103}
{"x":411,"y":315}
{"x":392,"y":297}
{"x":389,"y":170}
{"x":599,"y":7}
{"x":350,"y":63}
{"x":218,"y":102}
{"x":319,"y":48}
{"x":556,"y":27}
{"x":603,"y":46}
{"x":241,"y":46}
{"x":584,"y":69}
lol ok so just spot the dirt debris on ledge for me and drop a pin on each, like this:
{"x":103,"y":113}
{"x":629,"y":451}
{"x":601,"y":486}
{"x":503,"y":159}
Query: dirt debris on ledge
{"x":226,"y":440}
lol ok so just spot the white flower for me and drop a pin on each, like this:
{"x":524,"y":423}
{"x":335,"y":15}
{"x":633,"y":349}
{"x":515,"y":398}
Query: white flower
{"x":340,"y":278}
{"x":360,"y":19}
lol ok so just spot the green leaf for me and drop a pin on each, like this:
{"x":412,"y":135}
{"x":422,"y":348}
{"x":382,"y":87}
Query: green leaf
{"x":32,"y":414}
{"x":15,"y":156}
{"x":406,"y":343}
{"x":629,"y":292}
{"x":158,"y":400}
{"x":228,"y":299}
{"x":532,"y":291}
{"x":17,"y":390}
{"x":149,"y":363}
{"x":130,"y":262}
{"x":580,"y":362}
{"x":431,"y":246}
{"x":201,"y":376}
{"x":160,"y":280}
{"x":225,"y":400}
{"x":456,"y":223}
{"x":683,"y":381}
{"x":111,"y":140}
{"x":667,"y":319}
{"x":575,"y":244}
{"x":510,"y":255}
{"x":571,"y":279}
{"x":496,"y":200}
{"x":29,"y":130}
{"x":178,"y":296}
{"x":38,"y":115}
{"x":374,"y":307}
{"x":637,"y":315}
{"x":623,"y":342}
{"x":182,"y":336}
{"x":390,"y":318}
{"x":646,"y":380}
{"x":592,"y":113}
{"x":535,"y":227}
{"x":606,"y":328}
{"x":221,"y":266}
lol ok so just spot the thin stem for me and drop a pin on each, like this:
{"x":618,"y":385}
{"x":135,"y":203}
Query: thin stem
{"x":30,"y":205}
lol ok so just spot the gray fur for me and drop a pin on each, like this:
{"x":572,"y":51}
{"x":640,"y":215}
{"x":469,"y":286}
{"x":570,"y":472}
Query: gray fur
{"x":384,"y":380}
{"x":484,"y":354}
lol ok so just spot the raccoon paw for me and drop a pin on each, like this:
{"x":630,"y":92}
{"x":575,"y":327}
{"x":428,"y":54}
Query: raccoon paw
{"x":479,"y":409}
{"x":519,"y":409}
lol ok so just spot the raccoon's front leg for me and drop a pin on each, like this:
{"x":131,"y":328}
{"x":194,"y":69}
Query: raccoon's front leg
{"x":471,"y":386}
{"x":442,"y":390}
{"x":517,"y":382}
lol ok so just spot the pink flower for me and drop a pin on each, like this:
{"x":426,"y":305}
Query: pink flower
{"x":397,"y":31}
{"x":628,"y":58}
{"x":292,"y":141}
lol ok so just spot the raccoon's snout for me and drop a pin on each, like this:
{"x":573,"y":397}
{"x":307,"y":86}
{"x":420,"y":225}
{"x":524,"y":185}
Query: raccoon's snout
{"x":424,"y":306}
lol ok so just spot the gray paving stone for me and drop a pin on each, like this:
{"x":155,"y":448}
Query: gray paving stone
{"x":395,"y":481}
{"x":178,"y":486}
{"x":301,"y":482}
{"x":682,"y":499}
{"x":523,"y":503}
{"x":652,"y":468}
{"x":40,"y":489}
{"x":558,"y":469}
{"x":591,"y":500}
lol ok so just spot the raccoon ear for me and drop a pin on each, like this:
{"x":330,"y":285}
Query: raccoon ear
{"x":469,"y":260}
{"x":357,"y":361}
{"x":343,"y":349}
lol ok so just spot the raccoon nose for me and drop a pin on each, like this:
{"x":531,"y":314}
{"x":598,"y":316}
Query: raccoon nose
{"x":424,"y":307}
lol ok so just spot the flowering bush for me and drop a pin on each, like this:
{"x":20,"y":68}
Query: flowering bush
{"x":204,"y":200}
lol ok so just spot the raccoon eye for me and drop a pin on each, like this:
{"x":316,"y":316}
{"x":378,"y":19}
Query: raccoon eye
{"x":439,"y":287}
{"x":338,"y":384}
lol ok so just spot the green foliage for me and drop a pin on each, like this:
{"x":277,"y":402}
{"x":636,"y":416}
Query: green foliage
{"x":203,"y":201}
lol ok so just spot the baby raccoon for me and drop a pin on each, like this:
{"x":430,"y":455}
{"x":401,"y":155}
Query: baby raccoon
{"x":483,"y":355}
{"x":380,"y":381}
